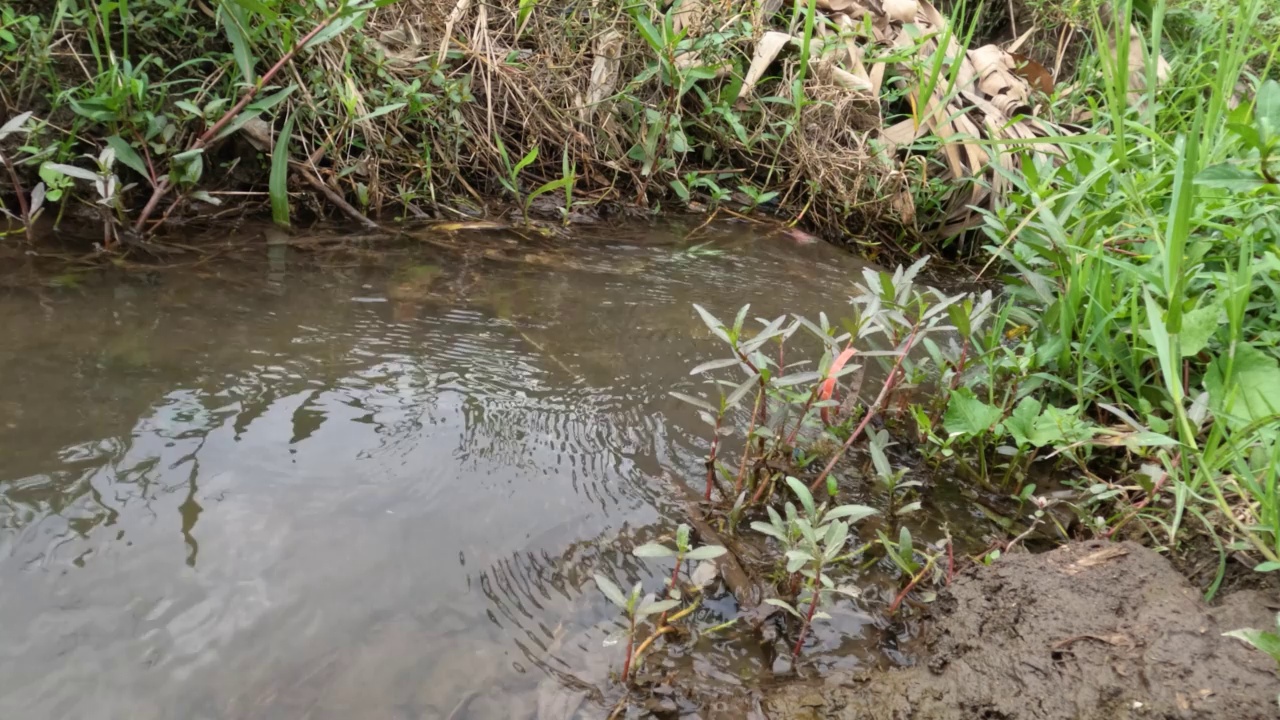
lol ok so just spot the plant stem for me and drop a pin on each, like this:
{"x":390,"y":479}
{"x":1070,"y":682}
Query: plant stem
{"x":711,"y":457}
{"x":162,"y":187}
{"x":746,"y":450}
{"x":808,"y":619}
{"x":889,"y":383}
{"x":631,"y":639}
{"x":915,"y":580}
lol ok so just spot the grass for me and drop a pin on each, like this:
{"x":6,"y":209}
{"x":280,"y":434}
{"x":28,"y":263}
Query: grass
{"x":410,"y":107}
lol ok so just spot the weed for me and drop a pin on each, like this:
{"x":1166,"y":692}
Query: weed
{"x":811,"y":539}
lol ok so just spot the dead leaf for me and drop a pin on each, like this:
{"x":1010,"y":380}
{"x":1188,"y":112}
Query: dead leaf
{"x":1095,"y":558}
{"x":767,"y":49}
{"x":1036,"y":75}
{"x":903,"y":11}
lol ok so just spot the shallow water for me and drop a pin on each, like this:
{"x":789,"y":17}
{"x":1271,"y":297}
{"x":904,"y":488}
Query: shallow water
{"x":367,"y":482}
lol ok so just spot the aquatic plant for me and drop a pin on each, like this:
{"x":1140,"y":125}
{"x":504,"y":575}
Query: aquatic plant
{"x":635,"y":608}
{"x":811,"y":539}
{"x":681,"y":552}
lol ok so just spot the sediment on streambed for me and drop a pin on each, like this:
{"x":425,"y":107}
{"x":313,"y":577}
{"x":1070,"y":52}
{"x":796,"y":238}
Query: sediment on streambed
{"x":1091,"y":631}
{"x":861,"y":117}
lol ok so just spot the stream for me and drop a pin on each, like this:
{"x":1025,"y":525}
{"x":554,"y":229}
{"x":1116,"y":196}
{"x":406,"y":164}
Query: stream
{"x":372,"y":480}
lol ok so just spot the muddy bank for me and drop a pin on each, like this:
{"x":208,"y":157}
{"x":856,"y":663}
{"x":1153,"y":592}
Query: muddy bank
{"x":1091,"y":630}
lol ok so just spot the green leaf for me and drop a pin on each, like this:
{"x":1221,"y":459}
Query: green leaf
{"x":967,"y":415}
{"x":189,"y":107}
{"x":1198,"y":326}
{"x":14,"y":124}
{"x":714,"y":365}
{"x":770,"y":530}
{"x":1021,"y":423}
{"x":1269,"y":566}
{"x":797,"y":559}
{"x":547,"y":187}
{"x":233,"y":25}
{"x":853,"y":513}
{"x":682,"y":537}
{"x":255,"y":109}
{"x":1229,"y":177}
{"x":127,"y":155}
{"x":611,"y":591}
{"x":256,"y":6}
{"x":639,"y":13}
{"x":526,"y":9}
{"x":334,"y":29}
{"x":380,"y":111}
{"x":1266,"y":112}
{"x":717,"y":328}
{"x":653,"y":550}
{"x":880,"y":460}
{"x":71,"y":171}
{"x":1267,"y":642}
{"x":806,"y":498}
{"x":784,"y":605}
{"x":694,"y":401}
{"x":1252,"y":391}
{"x":279,"y":180}
{"x":706,"y":552}
{"x":654,"y":608}
{"x":525,"y":161}
{"x":905,"y":547}
{"x":835,"y":540}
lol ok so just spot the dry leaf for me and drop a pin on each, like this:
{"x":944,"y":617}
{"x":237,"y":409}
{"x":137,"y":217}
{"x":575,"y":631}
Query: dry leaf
{"x":771,"y":43}
{"x":903,"y":11}
{"x":604,"y":71}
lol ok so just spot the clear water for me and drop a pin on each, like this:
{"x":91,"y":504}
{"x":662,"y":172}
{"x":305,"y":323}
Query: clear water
{"x":367,"y":480}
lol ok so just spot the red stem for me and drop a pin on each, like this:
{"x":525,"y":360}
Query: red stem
{"x":746,"y":450}
{"x":889,"y":383}
{"x":162,"y":188}
{"x":804,"y":629}
{"x":631,"y":639}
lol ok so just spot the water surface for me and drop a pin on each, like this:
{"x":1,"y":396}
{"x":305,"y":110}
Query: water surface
{"x":363,"y":481}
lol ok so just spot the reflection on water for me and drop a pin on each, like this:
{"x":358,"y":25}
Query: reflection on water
{"x":358,"y":484}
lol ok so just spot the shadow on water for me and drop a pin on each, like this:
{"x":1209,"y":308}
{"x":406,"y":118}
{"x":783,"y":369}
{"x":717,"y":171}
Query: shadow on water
{"x":333,"y":481}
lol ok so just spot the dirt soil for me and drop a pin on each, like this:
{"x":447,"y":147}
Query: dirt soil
{"x":1090,"y":630}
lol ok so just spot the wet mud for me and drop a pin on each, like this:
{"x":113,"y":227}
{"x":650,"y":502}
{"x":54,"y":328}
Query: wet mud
{"x":1088,"y":631}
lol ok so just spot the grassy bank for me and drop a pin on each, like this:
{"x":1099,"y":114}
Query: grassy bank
{"x":1124,"y":383}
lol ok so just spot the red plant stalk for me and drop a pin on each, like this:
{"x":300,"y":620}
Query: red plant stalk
{"x":162,"y":188}
{"x":889,"y":383}
{"x":746,"y":450}
{"x":675,"y":578}
{"x":808,"y":619}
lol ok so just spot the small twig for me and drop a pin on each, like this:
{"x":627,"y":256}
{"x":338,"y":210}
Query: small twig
{"x":334,"y":198}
